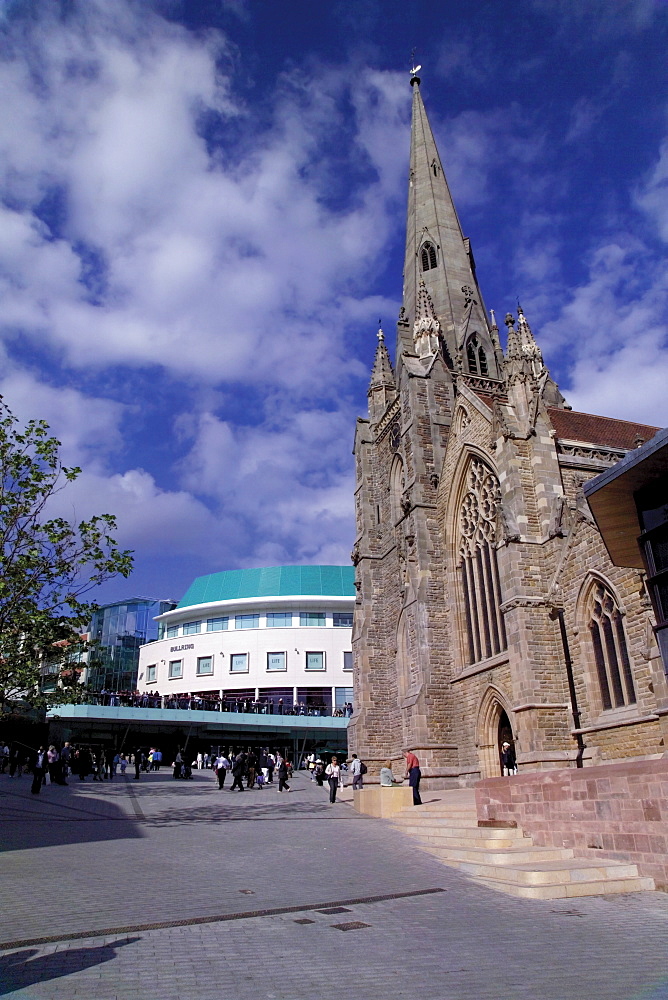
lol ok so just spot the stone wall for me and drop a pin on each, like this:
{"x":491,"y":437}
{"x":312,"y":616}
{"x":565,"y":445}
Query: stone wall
{"x":617,"y":811}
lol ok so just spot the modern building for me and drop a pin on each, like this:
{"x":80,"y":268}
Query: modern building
{"x":273,"y":637}
{"x":117,"y":632}
{"x":489,"y":608}
{"x":630,"y":505}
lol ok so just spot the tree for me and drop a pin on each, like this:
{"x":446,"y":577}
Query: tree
{"x":47,"y":565}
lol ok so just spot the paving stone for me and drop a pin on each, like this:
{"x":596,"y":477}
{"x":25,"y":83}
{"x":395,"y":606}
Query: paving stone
{"x":77,"y":860}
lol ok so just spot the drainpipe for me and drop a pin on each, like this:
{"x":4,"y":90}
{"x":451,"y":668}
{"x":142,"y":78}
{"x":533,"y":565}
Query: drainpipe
{"x":558,"y":615}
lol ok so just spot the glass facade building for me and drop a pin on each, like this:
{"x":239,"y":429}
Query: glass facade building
{"x":116,"y":632}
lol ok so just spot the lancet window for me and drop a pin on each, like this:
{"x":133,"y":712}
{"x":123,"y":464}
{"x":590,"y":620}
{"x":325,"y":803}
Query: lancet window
{"x":476,"y":358}
{"x":478,"y":569}
{"x":611,"y":654}
{"x":428,"y":256}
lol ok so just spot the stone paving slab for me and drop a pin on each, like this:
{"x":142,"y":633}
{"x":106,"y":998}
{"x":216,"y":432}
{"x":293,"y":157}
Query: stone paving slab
{"x":80,"y":859}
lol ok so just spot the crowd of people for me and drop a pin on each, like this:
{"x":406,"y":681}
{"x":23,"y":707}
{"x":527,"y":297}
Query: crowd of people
{"x":255,"y":768}
{"x":212,"y":702}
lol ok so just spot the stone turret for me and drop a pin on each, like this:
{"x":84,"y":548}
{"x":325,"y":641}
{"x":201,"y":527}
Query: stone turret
{"x":382,"y":387}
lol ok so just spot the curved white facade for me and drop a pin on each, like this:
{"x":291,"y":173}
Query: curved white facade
{"x":255,"y":649}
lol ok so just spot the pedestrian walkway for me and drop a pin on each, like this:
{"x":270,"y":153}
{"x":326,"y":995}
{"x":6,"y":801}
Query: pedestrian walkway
{"x":165,"y":890}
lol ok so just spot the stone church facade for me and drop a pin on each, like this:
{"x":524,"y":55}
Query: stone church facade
{"x":487,"y":606}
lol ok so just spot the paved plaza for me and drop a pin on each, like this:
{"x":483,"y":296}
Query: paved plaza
{"x":168,"y":890}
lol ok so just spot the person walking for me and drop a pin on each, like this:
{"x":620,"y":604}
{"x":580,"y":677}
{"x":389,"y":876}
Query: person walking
{"x":357,"y":772}
{"x":283,"y":775}
{"x":222,"y":766}
{"x":413,"y":774}
{"x":139,"y":760}
{"x":39,"y":771}
{"x":333,"y":772}
{"x":238,"y":770}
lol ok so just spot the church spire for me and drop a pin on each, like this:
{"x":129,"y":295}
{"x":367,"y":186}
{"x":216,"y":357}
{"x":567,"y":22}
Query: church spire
{"x":438,"y":254}
{"x":382,"y":387}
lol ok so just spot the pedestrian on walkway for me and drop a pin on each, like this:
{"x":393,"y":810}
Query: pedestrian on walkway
{"x":283,"y":775}
{"x":333,"y":772}
{"x":413,"y":774}
{"x":356,"y":767}
{"x":222,"y":766}
{"x":238,"y":770}
{"x":178,"y":764}
{"x":39,"y":771}
{"x":139,"y":761}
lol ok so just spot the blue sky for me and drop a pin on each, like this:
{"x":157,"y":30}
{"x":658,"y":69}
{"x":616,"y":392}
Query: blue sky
{"x":203,"y":209}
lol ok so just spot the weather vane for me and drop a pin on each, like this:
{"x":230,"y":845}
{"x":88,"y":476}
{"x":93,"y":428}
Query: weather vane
{"x":415,"y":69}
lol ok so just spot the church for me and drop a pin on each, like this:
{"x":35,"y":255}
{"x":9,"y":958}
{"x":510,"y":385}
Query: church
{"x":487,"y":609}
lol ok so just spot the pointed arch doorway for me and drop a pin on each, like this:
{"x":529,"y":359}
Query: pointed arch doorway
{"x":494,"y":728}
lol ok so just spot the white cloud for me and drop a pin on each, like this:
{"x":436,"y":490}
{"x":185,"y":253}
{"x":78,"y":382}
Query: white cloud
{"x":223,"y":268}
{"x":283,"y":488}
{"x":87,"y":427}
{"x":652,"y":196}
{"x":614,"y":327}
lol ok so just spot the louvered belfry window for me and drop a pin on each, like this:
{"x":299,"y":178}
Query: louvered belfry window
{"x":611,"y":654}
{"x":479,"y":574}
{"x":428,"y":256}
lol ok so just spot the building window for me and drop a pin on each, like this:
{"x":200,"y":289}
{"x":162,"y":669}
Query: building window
{"x":217,"y":624}
{"x":239,"y":663}
{"x":611,"y":656}
{"x":343,"y":619}
{"x":312,"y":618}
{"x":175,"y":669}
{"x":397,"y":485}
{"x":279,"y":619}
{"x":347,"y":660}
{"x":315,"y":661}
{"x":482,"y":361}
{"x":172,"y":631}
{"x":151,"y":673}
{"x":276,"y":661}
{"x":479,"y":574}
{"x":191,"y":628}
{"x":428,"y":256}
{"x":205,"y":664}
{"x":247,"y":621}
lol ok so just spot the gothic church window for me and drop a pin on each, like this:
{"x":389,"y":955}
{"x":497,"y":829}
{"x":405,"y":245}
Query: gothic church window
{"x":397,"y":485}
{"x":478,"y":569}
{"x":476,"y":357}
{"x":428,"y":256}
{"x":611,"y":654}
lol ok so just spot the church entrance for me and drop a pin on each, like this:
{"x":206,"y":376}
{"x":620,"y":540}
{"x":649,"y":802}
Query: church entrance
{"x":505,"y":736}
{"x":494,"y":729}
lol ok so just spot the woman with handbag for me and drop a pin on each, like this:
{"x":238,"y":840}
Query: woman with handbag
{"x":333,"y":772}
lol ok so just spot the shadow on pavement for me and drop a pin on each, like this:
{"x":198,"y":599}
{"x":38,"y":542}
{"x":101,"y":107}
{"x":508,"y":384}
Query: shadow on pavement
{"x":19,"y":970}
{"x":39,"y":821}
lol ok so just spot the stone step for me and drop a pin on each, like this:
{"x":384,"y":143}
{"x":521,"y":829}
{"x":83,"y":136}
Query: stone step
{"x":445,"y":843}
{"x":495,"y":856}
{"x":467,"y":833}
{"x":569,"y":890}
{"x":542,"y":871}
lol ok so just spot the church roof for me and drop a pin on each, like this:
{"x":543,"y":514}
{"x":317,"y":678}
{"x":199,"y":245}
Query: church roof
{"x":271,"y":581}
{"x":586,"y":427}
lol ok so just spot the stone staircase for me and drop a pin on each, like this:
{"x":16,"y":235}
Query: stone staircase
{"x":507,"y":860}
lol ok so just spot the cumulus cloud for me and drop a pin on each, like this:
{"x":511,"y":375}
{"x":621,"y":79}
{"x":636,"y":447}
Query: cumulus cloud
{"x":614,"y":328}
{"x":127,"y":240}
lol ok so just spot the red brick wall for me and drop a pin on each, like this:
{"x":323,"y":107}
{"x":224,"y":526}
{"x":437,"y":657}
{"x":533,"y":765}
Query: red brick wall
{"x":615,"y":811}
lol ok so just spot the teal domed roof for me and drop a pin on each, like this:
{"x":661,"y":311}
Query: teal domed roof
{"x":271,"y":581}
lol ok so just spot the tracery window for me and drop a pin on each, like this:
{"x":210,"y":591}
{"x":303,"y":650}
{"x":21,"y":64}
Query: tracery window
{"x":428,"y":256}
{"x":478,"y":568}
{"x":611,"y":654}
